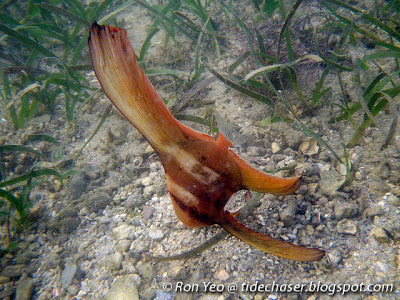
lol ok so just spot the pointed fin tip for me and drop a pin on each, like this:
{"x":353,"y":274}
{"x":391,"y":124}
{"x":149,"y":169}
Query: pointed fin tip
{"x":255,"y":180}
{"x":270,"y":245}
{"x":95,"y":28}
{"x":95,"y":25}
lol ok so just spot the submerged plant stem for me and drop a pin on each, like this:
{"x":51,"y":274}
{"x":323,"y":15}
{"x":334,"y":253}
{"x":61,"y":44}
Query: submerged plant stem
{"x":103,"y":118}
{"x":284,"y":31}
{"x":371,"y":118}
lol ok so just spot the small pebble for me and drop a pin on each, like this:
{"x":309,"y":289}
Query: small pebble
{"x":310,"y":230}
{"x":331,"y":181}
{"x":148,"y":211}
{"x":69,"y":224}
{"x":375,"y":210}
{"x":148,"y":191}
{"x":24,"y":288}
{"x":141,"y":246}
{"x":380,"y":235}
{"x":359,"y":176}
{"x":97,"y":201}
{"x":222,"y":275}
{"x":347,"y":226}
{"x":137,"y":220}
{"x":4,"y":279}
{"x":67,"y":212}
{"x":177,"y":271}
{"x":378,"y":186}
{"x":74,"y":289}
{"x":147,"y":181}
{"x":308,"y":168}
{"x":255,"y":151}
{"x":147,"y":270}
{"x":287,"y":213}
{"x":313,"y":187}
{"x":344,"y":210}
{"x":116,"y":261}
{"x":155,"y":233}
{"x":335,"y":256}
{"x":163,"y":295}
{"x":382,"y":171}
{"x":275,"y":148}
{"x":123,"y":245}
{"x":123,"y":232}
{"x":124,"y":288}
{"x":15,"y":270}
{"x":393,"y":200}
{"x":309,"y":147}
{"x":68,"y":275}
{"x":31,"y":238}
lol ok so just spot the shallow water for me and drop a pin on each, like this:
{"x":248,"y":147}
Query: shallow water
{"x":91,"y":235}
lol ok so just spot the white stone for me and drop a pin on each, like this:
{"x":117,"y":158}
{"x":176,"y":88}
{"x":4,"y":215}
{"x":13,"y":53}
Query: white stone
{"x":147,"y":181}
{"x":222,"y":275}
{"x":275,"y":148}
{"x":155,"y":233}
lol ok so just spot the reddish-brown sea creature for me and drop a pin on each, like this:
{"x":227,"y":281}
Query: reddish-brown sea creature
{"x":202,"y":174}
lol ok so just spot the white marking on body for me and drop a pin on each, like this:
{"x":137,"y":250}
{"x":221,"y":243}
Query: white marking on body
{"x":182,"y":194}
{"x":195,"y":168}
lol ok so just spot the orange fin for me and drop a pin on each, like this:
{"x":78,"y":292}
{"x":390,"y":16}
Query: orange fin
{"x":185,"y":217}
{"x":255,"y":180}
{"x":124,"y":82}
{"x":268,"y":244}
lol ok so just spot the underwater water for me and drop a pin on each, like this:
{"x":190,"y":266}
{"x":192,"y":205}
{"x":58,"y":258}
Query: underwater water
{"x":298,"y":88}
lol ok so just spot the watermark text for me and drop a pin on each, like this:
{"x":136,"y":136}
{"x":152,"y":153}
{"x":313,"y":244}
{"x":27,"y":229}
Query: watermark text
{"x":275,"y":287}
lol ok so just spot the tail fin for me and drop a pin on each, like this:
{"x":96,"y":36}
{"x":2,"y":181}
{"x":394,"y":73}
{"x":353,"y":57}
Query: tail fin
{"x":126,"y":85}
{"x":268,"y":244}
